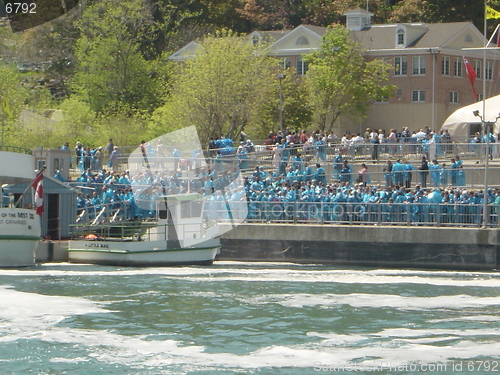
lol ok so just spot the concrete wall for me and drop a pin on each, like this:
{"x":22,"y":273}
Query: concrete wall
{"x":418,"y":247}
{"x":49,"y":251}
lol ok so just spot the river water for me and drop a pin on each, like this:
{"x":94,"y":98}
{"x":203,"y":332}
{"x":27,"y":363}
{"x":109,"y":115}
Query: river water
{"x":247,"y":318}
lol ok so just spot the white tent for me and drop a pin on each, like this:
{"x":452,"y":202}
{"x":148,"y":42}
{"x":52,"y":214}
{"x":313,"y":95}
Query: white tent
{"x":462,"y":123}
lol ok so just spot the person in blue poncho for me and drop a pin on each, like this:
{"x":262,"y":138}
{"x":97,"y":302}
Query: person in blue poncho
{"x":320,"y":147}
{"x":407,"y":174}
{"x":338,"y":161}
{"x":346,"y":173}
{"x":443,"y":175}
{"x":397,"y":173}
{"x":461,"y":180}
{"x":58,"y":176}
{"x":435,"y":169}
{"x":454,"y":172}
{"x":297,"y":162}
{"x":320,"y":174}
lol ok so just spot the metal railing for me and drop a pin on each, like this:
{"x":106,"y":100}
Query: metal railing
{"x":399,"y":214}
{"x":410,"y":150}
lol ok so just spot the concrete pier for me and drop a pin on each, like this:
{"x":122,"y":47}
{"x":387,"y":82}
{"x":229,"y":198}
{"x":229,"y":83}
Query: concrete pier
{"x":363,"y":245}
{"x":49,"y":251}
{"x":349,"y":245}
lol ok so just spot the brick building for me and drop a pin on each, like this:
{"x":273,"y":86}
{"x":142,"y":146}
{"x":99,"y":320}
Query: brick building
{"x":427,"y":60}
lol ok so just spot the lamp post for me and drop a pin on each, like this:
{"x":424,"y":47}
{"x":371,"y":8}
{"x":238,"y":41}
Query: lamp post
{"x":485,"y":127}
{"x":281,"y":77}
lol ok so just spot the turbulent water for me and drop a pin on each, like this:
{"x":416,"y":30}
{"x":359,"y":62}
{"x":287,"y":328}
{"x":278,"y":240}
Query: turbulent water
{"x":247,"y":318}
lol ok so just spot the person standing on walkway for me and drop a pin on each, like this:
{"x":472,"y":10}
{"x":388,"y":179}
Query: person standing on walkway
{"x":424,"y":171}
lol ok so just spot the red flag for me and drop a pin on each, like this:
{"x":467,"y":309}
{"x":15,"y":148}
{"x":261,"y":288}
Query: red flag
{"x":471,"y":73}
{"x":39,"y":197}
{"x":37,"y":184}
{"x":37,"y":179}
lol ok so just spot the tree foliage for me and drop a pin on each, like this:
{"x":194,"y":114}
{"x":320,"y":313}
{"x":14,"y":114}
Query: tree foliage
{"x":341,"y":82}
{"x":113,"y":54}
{"x":221,"y":89}
{"x":112,"y":75}
{"x":15,"y":96}
{"x":434,"y":11}
{"x":296,"y":107}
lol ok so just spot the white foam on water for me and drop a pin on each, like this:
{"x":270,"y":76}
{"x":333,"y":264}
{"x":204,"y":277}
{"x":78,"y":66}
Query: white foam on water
{"x":473,"y":318}
{"x":69,"y":360}
{"x":265,"y":272}
{"x":451,"y":302}
{"x":33,"y":316}
{"x":21,"y":309}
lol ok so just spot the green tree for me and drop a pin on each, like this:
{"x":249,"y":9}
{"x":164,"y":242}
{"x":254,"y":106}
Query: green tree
{"x":341,"y":82}
{"x":220,"y":90}
{"x":327,"y":12}
{"x":297,"y":110}
{"x":76,"y":123}
{"x":112,"y":74}
{"x":13,"y":97}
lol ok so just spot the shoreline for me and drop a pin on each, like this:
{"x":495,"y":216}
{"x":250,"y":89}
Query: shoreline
{"x":365,"y":246}
{"x":415,"y":247}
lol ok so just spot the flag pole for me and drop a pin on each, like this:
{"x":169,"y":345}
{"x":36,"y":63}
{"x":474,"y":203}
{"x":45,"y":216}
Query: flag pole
{"x":483,"y":119}
{"x":3,"y":118}
{"x":492,"y":36}
{"x":39,"y":175}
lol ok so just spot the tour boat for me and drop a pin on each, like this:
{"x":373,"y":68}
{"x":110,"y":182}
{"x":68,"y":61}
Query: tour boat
{"x":20,"y":230}
{"x":179,"y":235}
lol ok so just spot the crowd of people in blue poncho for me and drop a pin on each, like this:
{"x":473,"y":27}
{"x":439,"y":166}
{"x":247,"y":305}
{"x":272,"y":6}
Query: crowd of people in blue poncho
{"x":292,"y":187}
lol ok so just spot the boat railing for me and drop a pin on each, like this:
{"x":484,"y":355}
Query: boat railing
{"x":137,"y":230}
{"x":17,"y":149}
{"x":123,"y":231}
{"x":8,"y":202}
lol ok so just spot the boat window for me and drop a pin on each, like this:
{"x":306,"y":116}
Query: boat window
{"x":163,"y":214}
{"x":191,"y":209}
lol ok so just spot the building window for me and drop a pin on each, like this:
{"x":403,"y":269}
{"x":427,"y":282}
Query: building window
{"x":255,"y":40}
{"x":488,"y":70}
{"x":383,"y":99}
{"x":400,"y":66}
{"x":400,"y":37}
{"x":284,"y":63}
{"x":418,"y":96}
{"x":458,"y":67}
{"x":418,"y":65}
{"x":301,"y":66}
{"x":453,"y":96}
{"x":477,"y":69}
{"x":302,"y":41}
{"x":445,"y":66}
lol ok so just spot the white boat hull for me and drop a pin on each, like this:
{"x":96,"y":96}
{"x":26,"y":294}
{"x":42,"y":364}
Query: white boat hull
{"x":19,"y":237}
{"x":18,"y":253}
{"x":140,"y":253}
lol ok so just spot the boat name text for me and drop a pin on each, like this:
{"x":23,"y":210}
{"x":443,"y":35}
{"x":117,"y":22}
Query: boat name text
{"x":21,"y":215}
{"x":99,"y":245}
{"x":17,"y":222}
